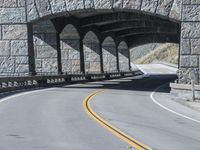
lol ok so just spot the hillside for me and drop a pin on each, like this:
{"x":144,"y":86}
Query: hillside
{"x":167,"y":52}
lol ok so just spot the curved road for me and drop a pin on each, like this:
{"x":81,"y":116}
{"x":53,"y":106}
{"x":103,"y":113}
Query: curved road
{"x":54,"y":119}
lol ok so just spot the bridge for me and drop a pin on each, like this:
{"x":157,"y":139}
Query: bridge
{"x":47,"y":37}
{"x":55,"y":38}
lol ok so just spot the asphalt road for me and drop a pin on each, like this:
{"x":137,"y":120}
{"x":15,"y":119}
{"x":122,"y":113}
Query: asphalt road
{"x":54,"y":119}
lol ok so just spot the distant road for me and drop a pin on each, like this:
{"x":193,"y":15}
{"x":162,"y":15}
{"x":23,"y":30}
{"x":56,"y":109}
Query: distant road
{"x":55,"y":119}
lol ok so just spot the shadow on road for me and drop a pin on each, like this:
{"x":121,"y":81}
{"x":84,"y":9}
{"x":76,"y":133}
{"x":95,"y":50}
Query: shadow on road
{"x":148,"y":83}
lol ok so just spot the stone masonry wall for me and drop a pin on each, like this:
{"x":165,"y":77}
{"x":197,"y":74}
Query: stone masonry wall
{"x":13,"y":38}
{"x":91,"y":49}
{"x":123,"y":57}
{"x":190,"y":41}
{"x":109,"y":56}
{"x":42,"y":8}
{"x":45,"y":48}
{"x":92,"y":57}
{"x":70,"y":50}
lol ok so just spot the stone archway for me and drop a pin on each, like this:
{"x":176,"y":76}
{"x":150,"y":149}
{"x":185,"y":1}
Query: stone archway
{"x":70,"y":49}
{"x":109,"y":53}
{"x":91,"y":48}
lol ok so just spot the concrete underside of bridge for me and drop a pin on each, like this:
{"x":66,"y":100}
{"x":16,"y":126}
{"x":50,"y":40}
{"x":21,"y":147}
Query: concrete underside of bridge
{"x":93,"y":36}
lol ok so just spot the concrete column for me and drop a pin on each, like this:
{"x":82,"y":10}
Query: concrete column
{"x":82,"y":59}
{"x":117,"y":59}
{"x":101,"y":57}
{"x":59,"y":54}
{"x":129,"y":59}
{"x":31,"y":54}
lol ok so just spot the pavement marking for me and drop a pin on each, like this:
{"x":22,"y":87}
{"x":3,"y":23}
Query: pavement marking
{"x":168,"y":109}
{"x":86,"y":104}
{"x":24,"y":93}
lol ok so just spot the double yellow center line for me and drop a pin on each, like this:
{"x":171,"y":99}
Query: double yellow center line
{"x":86,"y":104}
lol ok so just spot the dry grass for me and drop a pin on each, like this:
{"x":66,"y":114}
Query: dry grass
{"x":166,"y":52}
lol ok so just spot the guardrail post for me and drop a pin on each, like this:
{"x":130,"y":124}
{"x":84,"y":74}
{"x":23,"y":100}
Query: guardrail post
{"x":68,"y":79}
{"x":42,"y":82}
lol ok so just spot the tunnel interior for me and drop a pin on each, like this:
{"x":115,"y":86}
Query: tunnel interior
{"x":96,"y":42}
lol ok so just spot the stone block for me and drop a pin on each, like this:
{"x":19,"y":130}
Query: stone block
{"x":164,"y":7}
{"x":8,"y":3}
{"x":117,"y":3}
{"x":185,"y":46}
{"x":7,"y":64}
{"x":21,"y":68}
{"x":189,"y":61}
{"x":103,"y":4}
{"x":43,"y":7}
{"x":89,"y":4}
{"x":190,"y":30}
{"x":12,"y":15}
{"x":31,"y":10}
{"x":21,"y":60}
{"x":46,"y":52}
{"x":132,"y":4}
{"x":195,"y":46}
{"x":149,"y":5}
{"x":186,"y":1}
{"x":191,"y":12}
{"x":74,"y":5}
{"x":21,"y":3}
{"x":73,"y":54}
{"x":58,"y":6}
{"x":176,"y":10}
{"x":14,"y":32}
{"x":4,"y":48}
{"x":19,"y":47}
{"x":195,"y":1}
{"x":49,"y":65}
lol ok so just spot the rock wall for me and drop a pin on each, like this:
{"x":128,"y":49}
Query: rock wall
{"x":13,"y":38}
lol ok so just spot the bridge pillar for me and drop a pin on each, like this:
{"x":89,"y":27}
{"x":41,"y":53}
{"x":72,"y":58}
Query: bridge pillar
{"x":190,"y":42}
{"x":101,"y":57}
{"x":59,"y":57}
{"x":31,"y":54}
{"x":82,"y":59}
{"x":13,"y":39}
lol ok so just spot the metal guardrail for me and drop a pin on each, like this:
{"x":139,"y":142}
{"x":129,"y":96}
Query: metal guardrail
{"x":22,"y":82}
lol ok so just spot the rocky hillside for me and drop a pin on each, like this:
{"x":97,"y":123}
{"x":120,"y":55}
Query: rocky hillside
{"x":149,"y":53}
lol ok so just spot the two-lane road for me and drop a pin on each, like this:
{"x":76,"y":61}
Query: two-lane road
{"x":55,"y":119}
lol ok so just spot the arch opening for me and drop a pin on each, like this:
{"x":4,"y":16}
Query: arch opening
{"x":45,"y":48}
{"x":109,"y":53}
{"x":70,"y":49}
{"x":123,"y":51}
{"x":91,"y":48}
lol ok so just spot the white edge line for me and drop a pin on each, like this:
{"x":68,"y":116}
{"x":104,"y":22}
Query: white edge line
{"x":172,"y":111}
{"x":21,"y":94}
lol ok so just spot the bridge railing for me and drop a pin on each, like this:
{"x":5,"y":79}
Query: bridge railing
{"x":14,"y":83}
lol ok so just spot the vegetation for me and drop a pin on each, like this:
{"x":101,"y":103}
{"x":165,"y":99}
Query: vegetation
{"x":165,"y":52}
